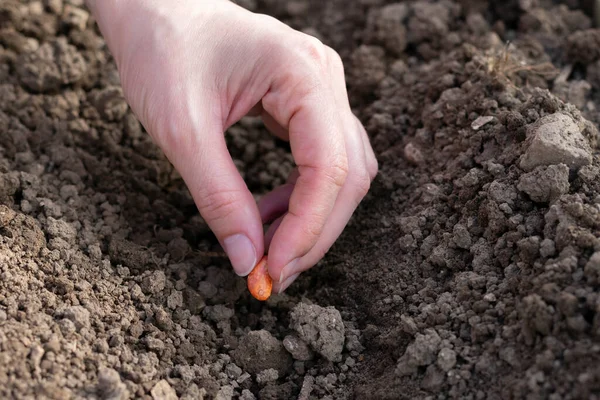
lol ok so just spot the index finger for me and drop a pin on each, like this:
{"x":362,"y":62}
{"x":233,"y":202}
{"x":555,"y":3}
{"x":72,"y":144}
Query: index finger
{"x":307,"y":107}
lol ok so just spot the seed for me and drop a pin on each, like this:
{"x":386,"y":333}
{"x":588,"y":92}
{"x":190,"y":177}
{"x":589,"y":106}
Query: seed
{"x":260,"y":283}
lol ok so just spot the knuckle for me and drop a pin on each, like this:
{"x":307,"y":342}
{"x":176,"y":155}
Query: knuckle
{"x":218,"y":205}
{"x":362,"y":185}
{"x":313,"y":50}
{"x":372,"y":168}
{"x":314,"y":228}
{"x":337,"y":173}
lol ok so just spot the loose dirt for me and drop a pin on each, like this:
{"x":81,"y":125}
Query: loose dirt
{"x":471,"y":270}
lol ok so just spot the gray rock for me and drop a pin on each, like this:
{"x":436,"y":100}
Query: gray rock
{"x":322,"y":328}
{"x":556,"y":139}
{"x":545,"y":184}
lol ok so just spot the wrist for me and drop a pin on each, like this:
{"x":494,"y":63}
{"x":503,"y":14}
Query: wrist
{"x":120,"y":20}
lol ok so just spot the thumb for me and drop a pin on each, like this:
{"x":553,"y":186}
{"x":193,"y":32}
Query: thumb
{"x":222,"y":197}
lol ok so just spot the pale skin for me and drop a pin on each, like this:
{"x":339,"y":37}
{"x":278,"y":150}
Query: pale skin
{"x":190,"y":69}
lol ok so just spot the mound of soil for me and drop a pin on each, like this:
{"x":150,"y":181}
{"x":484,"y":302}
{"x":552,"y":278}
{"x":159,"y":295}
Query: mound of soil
{"x":471,"y":270}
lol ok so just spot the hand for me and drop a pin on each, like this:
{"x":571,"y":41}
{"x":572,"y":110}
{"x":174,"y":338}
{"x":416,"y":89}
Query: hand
{"x":190,"y":69}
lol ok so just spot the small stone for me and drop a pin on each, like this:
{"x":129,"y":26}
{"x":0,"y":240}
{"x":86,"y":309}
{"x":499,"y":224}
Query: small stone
{"x":163,"y":391}
{"x":481,"y":122}
{"x":556,"y":139}
{"x":267,"y":376}
{"x":297,"y":348}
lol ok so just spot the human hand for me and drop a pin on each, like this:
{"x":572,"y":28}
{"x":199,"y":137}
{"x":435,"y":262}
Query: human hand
{"x":191,"y":69}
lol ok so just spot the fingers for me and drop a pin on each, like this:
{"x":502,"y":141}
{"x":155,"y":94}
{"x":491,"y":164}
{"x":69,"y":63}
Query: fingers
{"x":275,"y":203}
{"x":362,"y":169}
{"x":222,"y":198}
{"x":305,"y":105}
{"x":272,"y":125}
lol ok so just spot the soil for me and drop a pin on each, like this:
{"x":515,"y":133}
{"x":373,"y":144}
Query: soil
{"x":471,"y":270}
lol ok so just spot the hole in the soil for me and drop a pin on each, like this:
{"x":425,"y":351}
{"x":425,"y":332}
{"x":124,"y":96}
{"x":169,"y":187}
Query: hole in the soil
{"x":588,"y":315}
{"x":5,"y":232}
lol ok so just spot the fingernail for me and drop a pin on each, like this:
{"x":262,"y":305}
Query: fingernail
{"x":288,"y":270}
{"x":241,"y":253}
{"x":286,"y":284}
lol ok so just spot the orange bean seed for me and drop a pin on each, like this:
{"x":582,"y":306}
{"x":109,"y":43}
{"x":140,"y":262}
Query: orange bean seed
{"x":260,"y":283}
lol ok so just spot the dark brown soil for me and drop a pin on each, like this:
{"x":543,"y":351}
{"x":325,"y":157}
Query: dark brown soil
{"x":471,"y":270}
